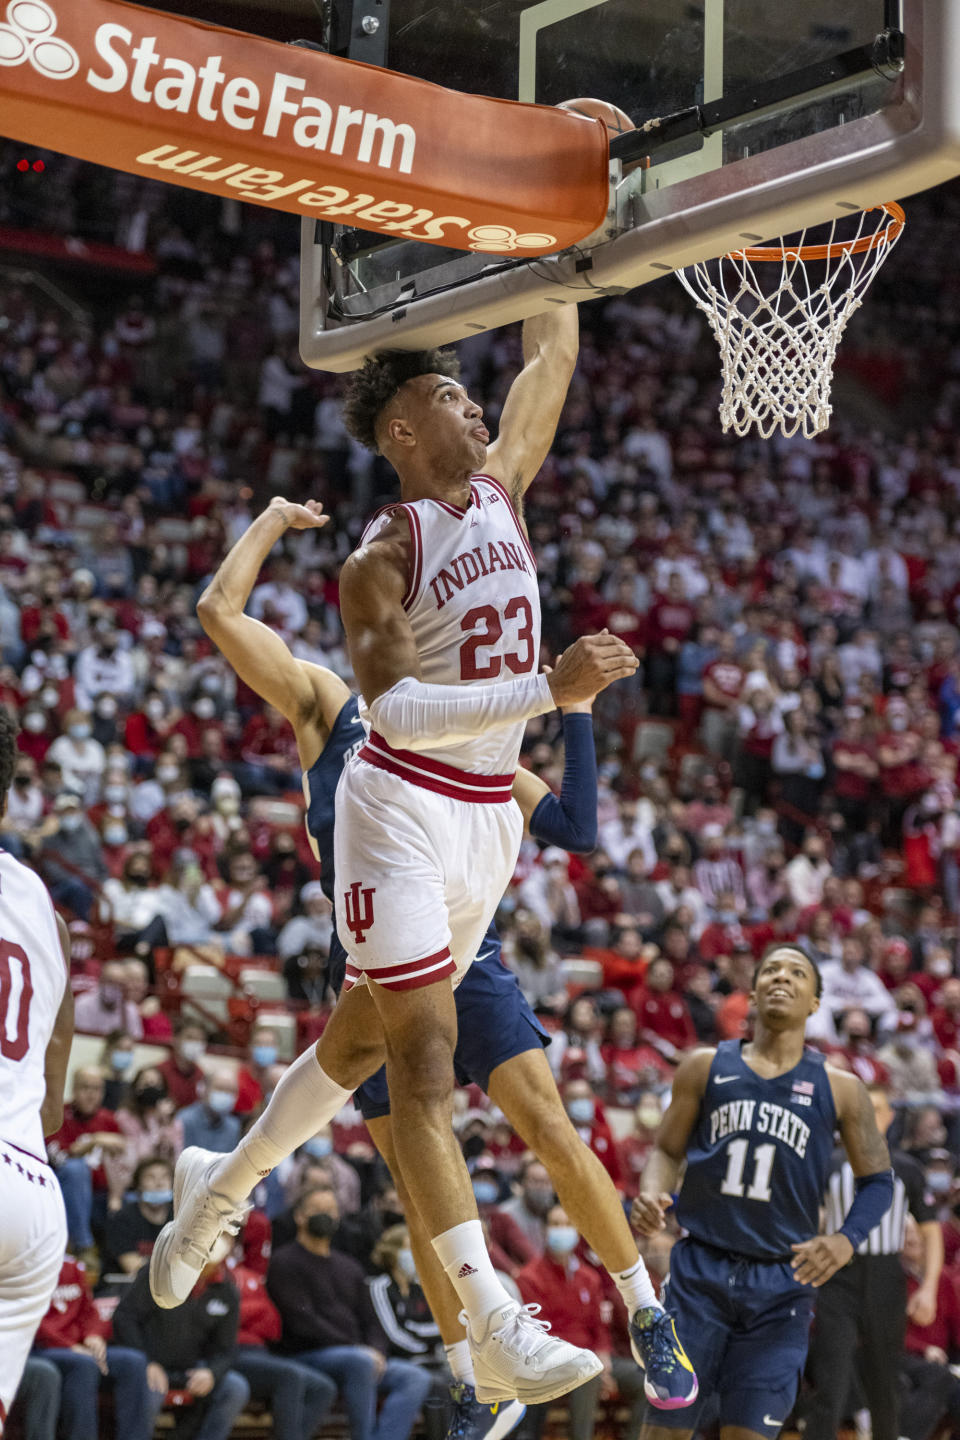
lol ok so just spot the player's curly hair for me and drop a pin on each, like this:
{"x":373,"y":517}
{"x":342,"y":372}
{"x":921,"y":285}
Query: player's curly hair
{"x":374,"y":386}
{"x":8,"y":752}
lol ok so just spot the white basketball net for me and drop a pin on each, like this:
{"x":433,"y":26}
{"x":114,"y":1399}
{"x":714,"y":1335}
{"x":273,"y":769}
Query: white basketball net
{"x":777,"y":314}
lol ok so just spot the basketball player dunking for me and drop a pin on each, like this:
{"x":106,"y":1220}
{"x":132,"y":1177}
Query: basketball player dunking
{"x":36,"y":1030}
{"x":441,"y":611}
{"x":755,"y":1123}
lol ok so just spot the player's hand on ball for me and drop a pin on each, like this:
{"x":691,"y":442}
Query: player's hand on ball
{"x":647,"y":1214}
{"x":816,"y":1260}
{"x":300,"y":517}
{"x":588,"y":666}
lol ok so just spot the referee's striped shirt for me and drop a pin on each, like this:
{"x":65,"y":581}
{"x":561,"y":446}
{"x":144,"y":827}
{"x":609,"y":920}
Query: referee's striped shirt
{"x":909,"y":1194}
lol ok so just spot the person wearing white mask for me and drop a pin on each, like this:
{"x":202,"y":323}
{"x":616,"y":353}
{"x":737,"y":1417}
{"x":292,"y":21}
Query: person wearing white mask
{"x":210,"y":1121}
{"x":570,"y":1297}
{"x":71,"y":859}
{"x":81,"y":758}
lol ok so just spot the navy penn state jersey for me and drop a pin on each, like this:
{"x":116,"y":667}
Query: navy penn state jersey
{"x":320,"y":786}
{"x":759,"y":1156}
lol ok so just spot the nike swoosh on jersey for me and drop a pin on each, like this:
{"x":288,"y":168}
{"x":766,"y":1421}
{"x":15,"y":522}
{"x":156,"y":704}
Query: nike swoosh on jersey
{"x":485,"y":956}
{"x":724,"y":1079}
{"x":768,"y":1421}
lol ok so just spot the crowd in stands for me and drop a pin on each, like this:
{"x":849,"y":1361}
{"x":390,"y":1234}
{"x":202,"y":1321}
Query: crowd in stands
{"x":783,"y":767}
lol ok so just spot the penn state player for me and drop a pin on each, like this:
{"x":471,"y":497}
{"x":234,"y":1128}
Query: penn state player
{"x":439,"y":599}
{"x":500,"y":1041}
{"x":36,"y":1031}
{"x":754,"y":1122}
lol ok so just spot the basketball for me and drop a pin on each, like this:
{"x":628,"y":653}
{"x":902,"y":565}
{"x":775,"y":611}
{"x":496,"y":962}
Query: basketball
{"x":615,"y":119}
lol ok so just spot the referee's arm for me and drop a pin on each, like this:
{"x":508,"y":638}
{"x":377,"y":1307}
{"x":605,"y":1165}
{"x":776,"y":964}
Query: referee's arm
{"x":922,"y":1305}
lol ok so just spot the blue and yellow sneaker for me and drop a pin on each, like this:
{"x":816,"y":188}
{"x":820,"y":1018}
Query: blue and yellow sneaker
{"x":473,"y":1421}
{"x":670,"y":1381}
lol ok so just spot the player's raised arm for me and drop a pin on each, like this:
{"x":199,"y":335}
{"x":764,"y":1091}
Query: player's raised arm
{"x":662,"y":1170}
{"x":816,"y":1260}
{"x":256,"y":652}
{"x":57,"y":1055}
{"x":535,"y":399}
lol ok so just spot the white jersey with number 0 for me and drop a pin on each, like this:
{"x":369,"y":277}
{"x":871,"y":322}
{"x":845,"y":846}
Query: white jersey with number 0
{"x":474,"y":606}
{"x":33,"y":976}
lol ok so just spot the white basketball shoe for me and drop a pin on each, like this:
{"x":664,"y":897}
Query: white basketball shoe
{"x":516,"y":1358}
{"x":200,"y":1217}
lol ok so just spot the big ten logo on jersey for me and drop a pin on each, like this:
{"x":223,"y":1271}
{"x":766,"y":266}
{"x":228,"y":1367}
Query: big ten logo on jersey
{"x":476,"y":564}
{"x":765,"y":1118}
{"x":358,"y":910}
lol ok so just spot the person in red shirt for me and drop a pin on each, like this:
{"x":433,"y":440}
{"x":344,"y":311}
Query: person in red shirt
{"x":570,"y":1297}
{"x":252,"y":1078}
{"x":297,"y":1397}
{"x":902,"y":777}
{"x":669,"y":622}
{"x":181,"y":1072}
{"x":661,"y":1011}
{"x":723,"y":679}
{"x":588,"y":1119}
{"x":632,"y":1066}
{"x":932,"y":1391}
{"x":73,"y":1338}
{"x":855,"y":769}
{"x":623,"y":618}
{"x":946,"y":1016}
{"x":89,"y":1131}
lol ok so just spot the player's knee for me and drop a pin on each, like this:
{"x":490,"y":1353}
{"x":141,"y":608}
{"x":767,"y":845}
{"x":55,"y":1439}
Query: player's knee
{"x":420,"y":1067}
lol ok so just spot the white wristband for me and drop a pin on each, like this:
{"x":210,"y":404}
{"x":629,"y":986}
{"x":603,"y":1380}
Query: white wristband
{"x":412,"y":715}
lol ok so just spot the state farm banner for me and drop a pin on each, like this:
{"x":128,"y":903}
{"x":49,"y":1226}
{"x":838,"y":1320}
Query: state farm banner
{"x":239,"y":116}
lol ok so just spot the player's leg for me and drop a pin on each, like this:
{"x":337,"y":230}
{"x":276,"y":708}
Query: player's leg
{"x":33,"y":1237}
{"x":767,"y":1351}
{"x":526,"y":1092}
{"x":210,"y":1190}
{"x":833,"y":1349}
{"x":882,"y":1326}
{"x":695,"y":1296}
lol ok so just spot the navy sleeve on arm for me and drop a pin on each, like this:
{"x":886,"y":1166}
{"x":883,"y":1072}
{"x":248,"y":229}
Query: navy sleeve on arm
{"x":570,"y":820}
{"x":872,"y":1200}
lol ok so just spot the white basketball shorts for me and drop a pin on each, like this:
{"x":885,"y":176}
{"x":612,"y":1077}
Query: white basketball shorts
{"x":33,"y":1238}
{"x":419,"y":873}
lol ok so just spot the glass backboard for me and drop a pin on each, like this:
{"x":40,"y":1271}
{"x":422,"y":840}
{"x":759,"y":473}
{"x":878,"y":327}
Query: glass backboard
{"x":752,"y":118}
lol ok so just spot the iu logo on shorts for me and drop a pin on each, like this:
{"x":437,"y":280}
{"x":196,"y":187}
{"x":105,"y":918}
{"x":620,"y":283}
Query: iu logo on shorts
{"x":359,"y":911}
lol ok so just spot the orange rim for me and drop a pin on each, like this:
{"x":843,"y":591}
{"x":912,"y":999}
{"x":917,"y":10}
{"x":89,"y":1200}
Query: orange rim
{"x":888,"y":233}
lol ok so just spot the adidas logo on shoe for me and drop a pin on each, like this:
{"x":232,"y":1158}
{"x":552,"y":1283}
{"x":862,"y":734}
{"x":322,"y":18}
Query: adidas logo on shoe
{"x":465,"y":1270}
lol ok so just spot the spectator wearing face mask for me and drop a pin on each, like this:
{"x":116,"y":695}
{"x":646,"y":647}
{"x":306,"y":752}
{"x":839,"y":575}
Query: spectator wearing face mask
{"x":529,"y":1206}
{"x":132,"y":1229}
{"x":149,"y":1126}
{"x":849,"y":984}
{"x":107,"y":1008}
{"x":181,"y":1072}
{"x":82,"y":759}
{"x":509,"y":1246}
{"x":310,"y":930}
{"x":135,"y":906}
{"x":116,"y":1066}
{"x":805,"y":874}
{"x":319,"y":1157}
{"x":401,"y":1306}
{"x":148,"y":729}
{"x":71,"y":859}
{"x":104,"y":668}
{"x":252,"y":1077}
{"x":570,"y":1297}
{"x":88,"y":1133}
{"x":298,"y":1399}
{"x":210,"y":1122}
{"x":588,"y":1119}
{"x":24,"y":809}
{"x":329,"y":1323}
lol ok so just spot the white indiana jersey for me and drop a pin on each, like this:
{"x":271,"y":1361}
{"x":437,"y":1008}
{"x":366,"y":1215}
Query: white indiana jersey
{"x":33,"y":976}
{"x":474,"y":606}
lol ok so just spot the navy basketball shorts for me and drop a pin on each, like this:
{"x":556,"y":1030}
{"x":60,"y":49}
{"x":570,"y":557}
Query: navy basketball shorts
{"x":494,"y":1023}
{"x":745,"y":1325}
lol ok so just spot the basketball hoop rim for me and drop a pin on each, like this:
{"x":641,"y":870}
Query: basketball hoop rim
{"x":887,"y":234}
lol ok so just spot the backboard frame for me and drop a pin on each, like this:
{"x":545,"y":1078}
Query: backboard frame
{"x":906,"y":147}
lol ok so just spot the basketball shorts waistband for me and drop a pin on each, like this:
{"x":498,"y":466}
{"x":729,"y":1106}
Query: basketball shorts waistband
{"x":431,"y":774}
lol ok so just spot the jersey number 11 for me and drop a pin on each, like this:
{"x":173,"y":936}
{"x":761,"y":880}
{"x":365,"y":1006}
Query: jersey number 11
{"x":763,"y":1158}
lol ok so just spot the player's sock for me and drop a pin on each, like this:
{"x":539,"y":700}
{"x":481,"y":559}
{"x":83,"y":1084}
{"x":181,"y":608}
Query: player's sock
{"x":636,"y":1289}
{"x":461,"y":1365}
{"x":304,"y":1101}
{"x":463,"y":1255}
